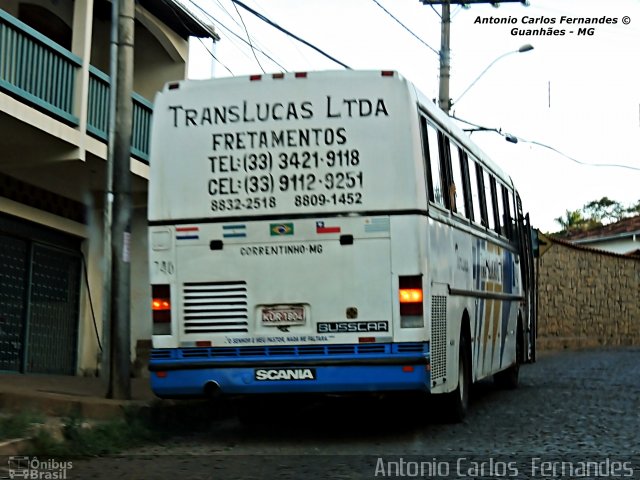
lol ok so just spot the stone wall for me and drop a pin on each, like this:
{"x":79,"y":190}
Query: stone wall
{"x":587,"y":298}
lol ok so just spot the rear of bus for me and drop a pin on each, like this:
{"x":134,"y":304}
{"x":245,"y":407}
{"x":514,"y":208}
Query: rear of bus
{"x":284,"y":240}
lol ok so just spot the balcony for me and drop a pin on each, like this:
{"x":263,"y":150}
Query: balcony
{"x":44,"y":75}
{"x":98,"y":114}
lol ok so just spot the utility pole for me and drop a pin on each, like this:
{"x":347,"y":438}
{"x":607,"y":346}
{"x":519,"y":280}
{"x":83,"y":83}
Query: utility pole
{"x":120,"y":322}
{"x":444,"y":100}
{"x":108,"y":199}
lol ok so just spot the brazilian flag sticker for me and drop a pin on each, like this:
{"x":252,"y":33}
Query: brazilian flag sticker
{"x":281,"y":229}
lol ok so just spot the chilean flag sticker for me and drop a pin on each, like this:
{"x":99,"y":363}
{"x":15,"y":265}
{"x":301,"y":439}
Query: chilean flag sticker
{"x":322,"y":227}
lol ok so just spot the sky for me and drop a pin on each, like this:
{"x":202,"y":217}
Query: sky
{"x":578,"y":94}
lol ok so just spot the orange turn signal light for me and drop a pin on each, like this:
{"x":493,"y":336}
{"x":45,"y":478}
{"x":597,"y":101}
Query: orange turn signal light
{"x":410,"y":295}
{"x":158,"y":304}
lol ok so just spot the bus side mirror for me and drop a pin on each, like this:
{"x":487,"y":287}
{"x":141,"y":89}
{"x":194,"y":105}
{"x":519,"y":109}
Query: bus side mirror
{"x":535,"y":243}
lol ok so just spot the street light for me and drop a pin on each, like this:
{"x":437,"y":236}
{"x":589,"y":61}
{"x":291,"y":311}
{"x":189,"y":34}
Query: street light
{"x":522,"y":49}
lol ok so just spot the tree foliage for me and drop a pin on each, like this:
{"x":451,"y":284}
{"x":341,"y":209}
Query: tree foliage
{"x":595,"y":214}
{"x":605,"y":210}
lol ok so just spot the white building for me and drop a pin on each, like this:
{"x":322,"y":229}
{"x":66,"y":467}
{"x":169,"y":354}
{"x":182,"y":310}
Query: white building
{"x":622,"y":237}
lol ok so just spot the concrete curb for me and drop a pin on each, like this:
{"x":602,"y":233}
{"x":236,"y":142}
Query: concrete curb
{"x":61,"y":405}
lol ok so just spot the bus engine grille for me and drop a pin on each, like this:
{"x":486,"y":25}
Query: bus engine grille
{"x":439,"y":337}
{"x":218,"y":307}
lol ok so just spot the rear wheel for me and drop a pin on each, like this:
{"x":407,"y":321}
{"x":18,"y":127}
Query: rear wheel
{"x":457,"y":402}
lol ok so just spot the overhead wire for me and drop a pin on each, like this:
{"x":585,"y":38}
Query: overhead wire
{"x":202,"y":42}
{"x":296,"y":45}
{"x":234,"y":34}
{"x":256,"y":41}
{"x":407,"y":28}
{"x":253,"y":40}
{"x":457,"y":11}
{"x":617,"y":165}
{"x":211,"y":17}
{"x":436,"y":12}
{"x":287,"y":32}
{"x":223,"y":8}
{"x":215,"y":58}
{"x":543,"y":145}
{"x":253,"y":50}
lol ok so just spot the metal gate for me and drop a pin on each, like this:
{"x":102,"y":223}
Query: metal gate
{"x":39,"y":302}
{"x":13,"y":288}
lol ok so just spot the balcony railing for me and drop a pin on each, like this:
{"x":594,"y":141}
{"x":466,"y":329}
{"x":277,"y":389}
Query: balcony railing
{"x":98,"y":109}
{"x":37,"y":69}
{"x":98,"y":114}
{"x":43,"y":74}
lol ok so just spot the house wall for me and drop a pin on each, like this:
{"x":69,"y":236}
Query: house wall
{"x":100,"y":42}
{"x":140,"y":287}
{"x":61,"y":8}
{"x":152,"y":65}
{"x":587,"y":298}
{"x":140,"y":290}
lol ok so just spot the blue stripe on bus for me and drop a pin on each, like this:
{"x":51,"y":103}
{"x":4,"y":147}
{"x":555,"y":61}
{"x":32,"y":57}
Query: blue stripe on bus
{"x":234,"y":235}
{"x":292,"y":352}
{"x":328,"y":379}
{"x":338,"y":368}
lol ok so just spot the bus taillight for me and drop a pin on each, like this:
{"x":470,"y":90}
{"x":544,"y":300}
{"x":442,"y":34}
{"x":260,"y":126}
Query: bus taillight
{"x":411,"y":301}
{"x":410,"y":295}
{"x":161,"y":309}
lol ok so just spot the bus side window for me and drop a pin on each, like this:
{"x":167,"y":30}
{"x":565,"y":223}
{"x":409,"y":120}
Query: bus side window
{"x":448,"y":187}
{"x":457,"y":186}
{"x":468,"y":202}
{"x":474,"y":190}
{"x":508,"y":220}
{"x":432,"y":156}
{"x":488,"y":201}
{"x":494,"y":201}
{"x":483,"y":201}
{"x":501,"y":221}
{"x":425,"y":154}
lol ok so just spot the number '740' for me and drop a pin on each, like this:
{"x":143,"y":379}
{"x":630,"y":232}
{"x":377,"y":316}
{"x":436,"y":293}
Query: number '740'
{"x":163,"y":266}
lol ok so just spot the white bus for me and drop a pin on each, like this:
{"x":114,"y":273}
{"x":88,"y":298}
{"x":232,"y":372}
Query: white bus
{"x":330,"y":232}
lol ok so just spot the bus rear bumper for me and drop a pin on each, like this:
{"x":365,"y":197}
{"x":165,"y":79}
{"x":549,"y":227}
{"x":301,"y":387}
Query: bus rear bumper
{"x":259,"y":379}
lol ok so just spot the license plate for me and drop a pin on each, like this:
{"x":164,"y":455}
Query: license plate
{"x":283,"y":315}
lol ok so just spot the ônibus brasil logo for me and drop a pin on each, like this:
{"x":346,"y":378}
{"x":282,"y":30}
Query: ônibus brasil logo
{"x":33,"y":468}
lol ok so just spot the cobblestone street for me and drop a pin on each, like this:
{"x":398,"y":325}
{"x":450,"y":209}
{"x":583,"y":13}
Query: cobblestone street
{"x":571,"y":406}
